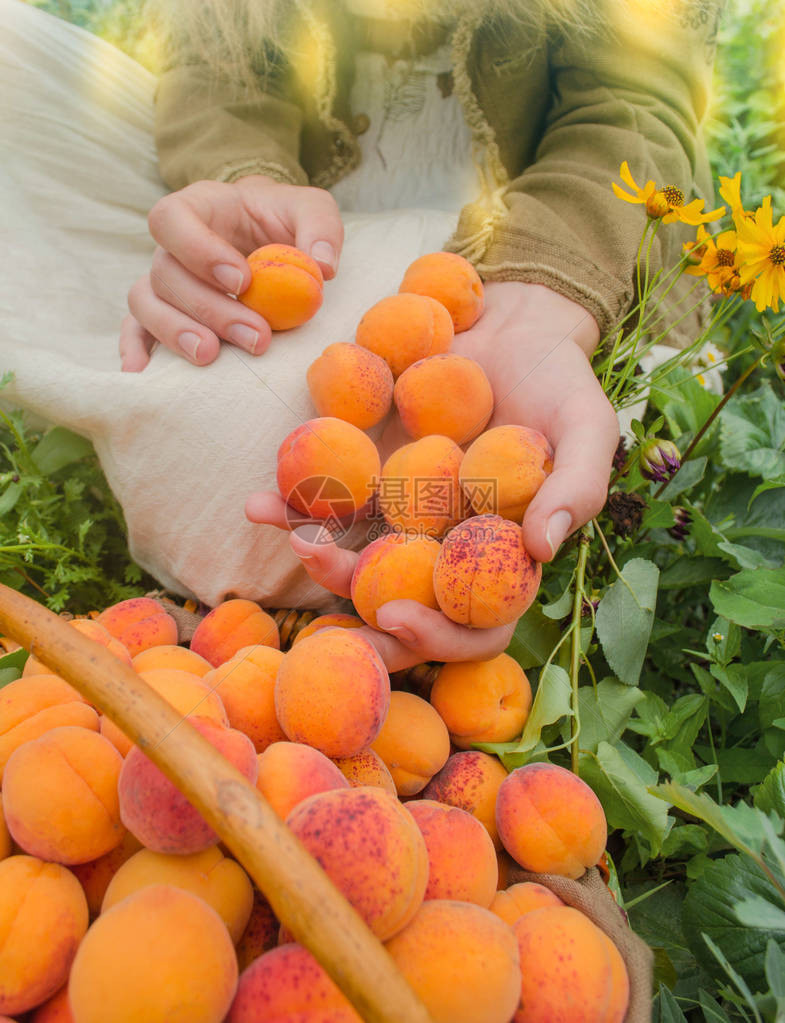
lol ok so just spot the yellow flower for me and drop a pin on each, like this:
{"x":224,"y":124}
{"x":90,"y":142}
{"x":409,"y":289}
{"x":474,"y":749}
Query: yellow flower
{"x":730,"y":190}
{"x":761,"y":247}
{"x":714,"y":257}
{"x":665,"y":203}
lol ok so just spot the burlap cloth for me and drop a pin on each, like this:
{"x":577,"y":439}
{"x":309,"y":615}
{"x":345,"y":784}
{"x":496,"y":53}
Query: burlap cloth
{"x":591,"y":896}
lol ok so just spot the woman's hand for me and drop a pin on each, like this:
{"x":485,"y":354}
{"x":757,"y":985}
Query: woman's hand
{"x":204,"y":232}
{"x":535,"y":346}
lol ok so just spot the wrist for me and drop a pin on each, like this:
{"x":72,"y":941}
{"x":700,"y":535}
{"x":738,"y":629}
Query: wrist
{"x":545,"y":313}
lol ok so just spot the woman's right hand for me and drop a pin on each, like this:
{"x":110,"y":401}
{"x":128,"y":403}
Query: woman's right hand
{"x":204,"y":231}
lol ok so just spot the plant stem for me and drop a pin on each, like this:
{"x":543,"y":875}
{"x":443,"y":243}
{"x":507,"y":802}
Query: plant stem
{"x":575,"y":659}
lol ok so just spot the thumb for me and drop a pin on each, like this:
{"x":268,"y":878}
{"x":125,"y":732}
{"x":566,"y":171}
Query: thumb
{"x":318,"y":229}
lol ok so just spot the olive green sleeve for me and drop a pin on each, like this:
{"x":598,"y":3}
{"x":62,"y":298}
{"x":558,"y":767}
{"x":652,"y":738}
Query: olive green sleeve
{"x":205,"y":129}
{"x":639,"y":95}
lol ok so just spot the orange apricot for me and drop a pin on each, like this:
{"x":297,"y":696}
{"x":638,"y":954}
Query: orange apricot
{"x":419,"y":490}
{"x":524,"y":897}
{"x":503,"y":470}
{"x":328,"y":469}
{"x":328,"y":621}
{"x":56,"y":1009}
{"x":232,"y":625}
{"x":286,"y":286}
{"x":371,"y":849}
{"x":550,"y":821}
{"x":177,"y":961}
{"x":472,"y":781}
{"x":169,"y":655}
{"x":571,"y":972}
{"x":482,"y":701}
{"x":461,"y":960}
{"x":43,"y":917}
{"x":260,"y":934}
{"x":404,"y":328}
{"x":413,"y":742}
{"x":247,"y":690}
{"x":366,"y":768}
{"x":450,"y":279}
{"x":394,"y":567}
{"x":93,"y":630}
{"x":60,"y":796}
{"x":461,"y":855}
{"x":5,"y":837}
{"x":484,"y":575}
{"x":95,"y":875}
{"x":139,"y":623}
{"x":289,"y":772}
{"x":351,"y":383}
{"x":444,"y":394}
{"x":333,"y":692}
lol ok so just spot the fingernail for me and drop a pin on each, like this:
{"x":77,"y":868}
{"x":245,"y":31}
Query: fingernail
{"x":400,"y":632}
{"x":323,"y":252}
{"x":557,"y":529}
{"x":189,"y":342}
{"x":229,"y":277}
{"x":245,"y":337}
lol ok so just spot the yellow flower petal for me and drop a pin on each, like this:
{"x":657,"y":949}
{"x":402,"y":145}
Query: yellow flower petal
{"x":627,"y":178}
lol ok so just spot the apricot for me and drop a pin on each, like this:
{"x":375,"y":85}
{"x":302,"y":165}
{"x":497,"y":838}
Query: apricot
{"x":328,"y":621}
{"x":394,"y":567}
{"x":328,"y":469}
{"x":404,"y":328}
{"x":371,"y":849}
{"x":260,"y":934}
{"x":366,"y":768}
{"x":139,"y":623}
{"x":246,"y":689}
{"x":60,"y":796}
{"x":157,"y":813}
{"x":288,"y":984}
{"x":286,"y":286}
{"x":445,"y":394}
{"x":160,"y":954}
{"x":482,"y":701}
{"x":219,"y":881}
{"x":56,"y":1010}
{"x":5,"y":837}
{"x":461,"y":855}
{"x":450,"y":279}
{"x":503,"y":470}
{"x":95,"y":875}
{"x":413,"y":742}
{"x":351,"y":383}
{"x":169,"y":655}
{"x":571,"y":972}
{"x":550,"y":821}
{"x":419,"y":491}
{"x":461,"y":960}
{"x":43,"y":917}
{"x":333,"y":692}
{"x":229,"y":627}
{"x":484,"y":575}
{"x":289,"y":772}
{"x":32,"y":706}
{"x":93,"y":630}
{"x":471,"y":781}
{"x":524,"y":897}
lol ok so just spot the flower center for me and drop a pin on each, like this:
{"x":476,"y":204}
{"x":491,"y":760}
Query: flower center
{"x":777,"y":255}
{"x":673,"y":195}
{"x":724,"y":257}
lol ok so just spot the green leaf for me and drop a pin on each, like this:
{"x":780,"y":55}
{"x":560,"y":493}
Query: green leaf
{"x":621,"y":780}
{"x":732,"y":823}
{"x":625,"y":616}
{"x":694,"y":571}
{"x":688,"y":476}
{"x":734,"y":679}
{"x":560,"y":607}
{"x":754,"y":599}
{"x":757,"y":912}
{"x":17,"y":660}
{"x":659,"y":515}
{"x":605,"y":711}
{"x":552,"y":702}
{"x":8,"y":675}
{"x":724,"y":641}
{"x":666,"y":1008}
{"x":775,"y":971}
{"x":534,"y":638}
{"x":769,"y":796}
{"x":9,"y":497}
{"x":59,"y":447}
{"x":712,"y":1010}
{"x":752,"y":434}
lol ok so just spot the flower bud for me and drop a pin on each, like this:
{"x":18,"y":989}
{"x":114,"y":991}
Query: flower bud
{"x":681,"y":525}
{"x":660,"y":460}
{"x":657,"y":205}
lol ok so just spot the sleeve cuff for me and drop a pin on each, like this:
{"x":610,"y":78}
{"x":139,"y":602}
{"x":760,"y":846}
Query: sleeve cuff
{"x":231,"y":172}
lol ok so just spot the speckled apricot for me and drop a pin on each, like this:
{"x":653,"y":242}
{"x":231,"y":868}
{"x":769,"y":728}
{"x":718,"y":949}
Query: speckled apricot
{"x":335,"y":620}
{"x":366,"y":768}
{"x":351,"y":383}
{"x":286,"y":286}
{"x":461,"y":960}
{"x":472,"y":781}
{"x":404,"y":328}
{"x":571,"y":972}
{"x":413,"y":742}
{"x":450,"y":279}
{"x":246,"y":688}
{"x":550,"y":821}
{"x":419,"y":490}
{"x":43,"y":917}
{"x":482,"y":701}
{"x":394,"y":567}
{"x":333,"y":692}
{"x":503,"y":470}
{"x":60,"y":796}
{"x":260,"y":934}
{"x":371,"y":849}
{"x":448,"y":395}
{"x":289,"y":772}
{"x":232,"y":625}
{"x":484,"y":575}
{"x":177,"y":962}
{"x":524,"y":897}
{"x":139,"y":623}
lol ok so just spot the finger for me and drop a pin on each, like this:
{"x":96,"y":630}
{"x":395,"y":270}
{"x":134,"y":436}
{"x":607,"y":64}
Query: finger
{"x":326,"y":563}
{"x":431,"y":636}
{"x":135,"y":346}
{"x":268,"y":508}
{"x":577,"y":488}
{"x":224,"y":316}
{"x":173,"y":328}
{"x":317,"y":226}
